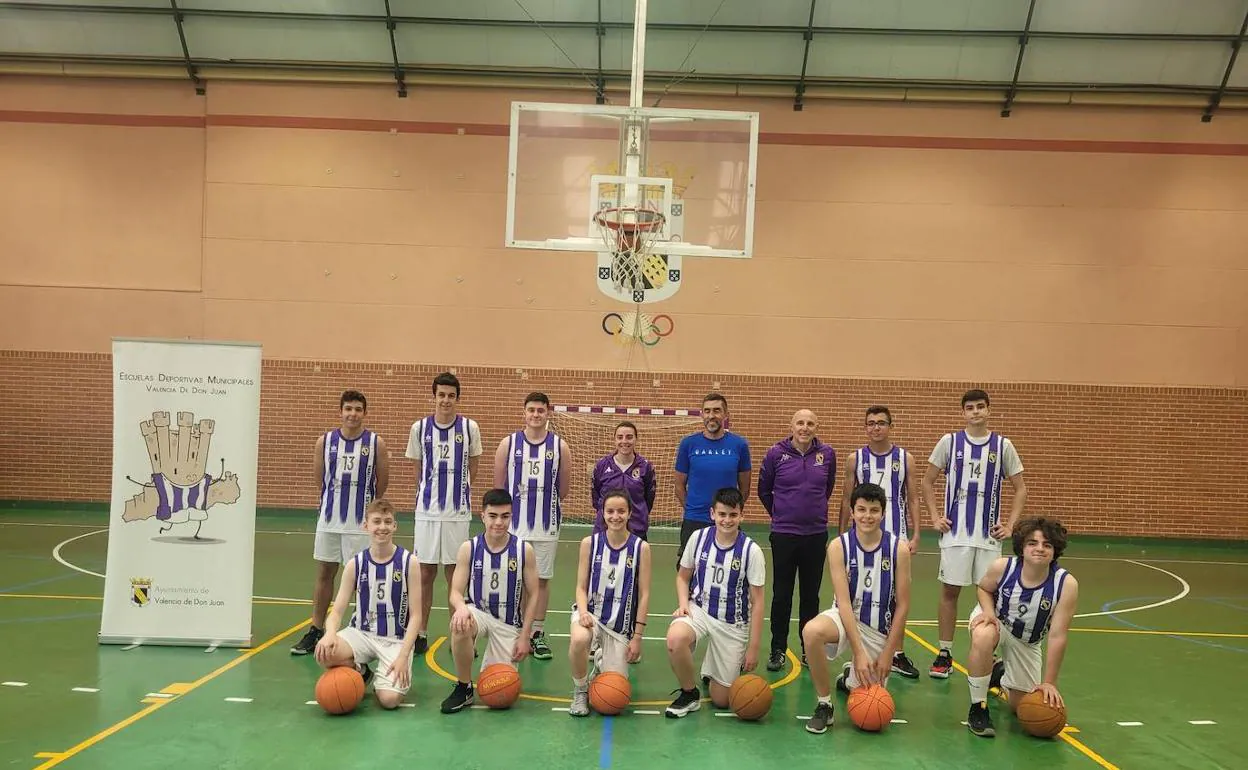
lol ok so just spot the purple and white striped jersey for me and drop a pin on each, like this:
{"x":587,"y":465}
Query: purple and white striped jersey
{"x":613,"y":575}
{"x":973,"y":474}
{"x":533,"y":480}
{"x":381,"y":601}
{"x":1027,"y":612}
{"x":496,"y":579}
{"x":350,"y":481}
{"x":722,"y":576}
{"x":872,"y":584}
{"x":888,"y":471}
{"x":173,"y":498}
{"x":444,"y":490}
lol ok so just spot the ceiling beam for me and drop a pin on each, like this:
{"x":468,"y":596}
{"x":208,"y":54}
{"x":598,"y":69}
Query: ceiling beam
{"x":394,"y":54}
{"x":593,"y":25}
{"x":186,"y":52}
{"x":809,"y":37}
{"x":1216,"y":99}
{"x":1018,"y":63}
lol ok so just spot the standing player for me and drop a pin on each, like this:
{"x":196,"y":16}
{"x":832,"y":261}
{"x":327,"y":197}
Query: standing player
{"x":612,"y":600}
{"x":532,"y":465}
{"x":719,"y":595}
{"x":870,"y":570}
{"x":709,"y":461}
{"x":353,"y":468}
{"x":626,"y":470}
{"x":494,"y":593}
{"x":887,"y":465}
{"x":1021,"y":600}
{"x":973,"y":462}
{"x":446,"y":447}
{"x":383,"y":579}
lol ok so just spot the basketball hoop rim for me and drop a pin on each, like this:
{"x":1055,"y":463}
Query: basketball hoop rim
{"x":654,"y":223}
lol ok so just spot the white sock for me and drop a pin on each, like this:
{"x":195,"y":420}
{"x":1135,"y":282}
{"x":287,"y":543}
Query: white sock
{"x":947,"y":647}
{"x":581,"y":683}
{"x":825,"y":700}
{"x":979,"y":688}
{"x":538,"y":625}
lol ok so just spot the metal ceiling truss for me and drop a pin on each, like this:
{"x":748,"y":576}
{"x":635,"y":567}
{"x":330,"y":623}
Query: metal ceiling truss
{"x":394,"y":53}
{"x":1216,"y":100}
{"x":191,"y":71}
{"x":606,"y":79}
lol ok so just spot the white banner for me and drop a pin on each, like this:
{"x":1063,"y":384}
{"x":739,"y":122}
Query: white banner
{"x":181,"y":537}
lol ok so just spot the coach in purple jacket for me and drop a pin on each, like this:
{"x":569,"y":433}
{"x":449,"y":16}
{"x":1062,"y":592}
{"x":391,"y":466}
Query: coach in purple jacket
{"x":627,"y":470}
{"x":795,"y":484}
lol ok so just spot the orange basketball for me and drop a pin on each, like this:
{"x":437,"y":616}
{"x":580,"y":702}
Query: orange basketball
{"x":1039,"y":718}
{"x":750,"y":697}
{"x":499,"y":685}
{"x":871,"y":708}
{"x":340,"y":690}
{"x":610,"y":693}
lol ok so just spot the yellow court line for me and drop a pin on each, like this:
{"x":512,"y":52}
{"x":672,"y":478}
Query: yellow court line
{"x":1064,"y":735}
{"x":94,"y":739}
{"x":795,"y":670}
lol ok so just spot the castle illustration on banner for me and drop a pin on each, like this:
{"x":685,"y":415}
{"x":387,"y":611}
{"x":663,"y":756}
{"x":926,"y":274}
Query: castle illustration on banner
{"x":180,"y":491}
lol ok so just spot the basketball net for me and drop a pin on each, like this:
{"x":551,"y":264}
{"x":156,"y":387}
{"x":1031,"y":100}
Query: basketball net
{"x":629,"y":233}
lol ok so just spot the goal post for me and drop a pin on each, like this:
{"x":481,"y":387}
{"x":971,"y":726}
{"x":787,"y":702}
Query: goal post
{"x":590,"y":433}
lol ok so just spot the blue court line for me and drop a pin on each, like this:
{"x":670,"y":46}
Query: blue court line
{"x":604,"y":753}
{"x":1108,"y":606}
{"x":1224,"y":603}
{"x":42,"y":581}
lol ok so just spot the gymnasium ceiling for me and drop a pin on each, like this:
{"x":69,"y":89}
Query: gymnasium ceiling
{"x":1165,"y":53}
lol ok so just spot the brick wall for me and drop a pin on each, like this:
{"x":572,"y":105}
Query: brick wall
{"x":1174,"y":459}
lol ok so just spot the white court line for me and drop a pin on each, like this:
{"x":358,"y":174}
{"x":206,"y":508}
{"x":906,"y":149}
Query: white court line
{"x":84,"y":689}
{"x":158,"y":695}
{"x":1186,"y":590}
{"x":56,"y":553}
{"x":724,"y":714}
{"x":238,"y":700}
{"x":13,"y":684}
{"x":899,"y":721}
{"x":647,"y":712}
{"x":1201,"y":722}
{"x":802,"y":716}
{"x":1130,"y":724}
{"x":559,"y":708}
{"x":310,"y":703}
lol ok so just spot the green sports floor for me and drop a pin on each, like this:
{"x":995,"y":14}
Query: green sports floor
{"x":1154,"y":677}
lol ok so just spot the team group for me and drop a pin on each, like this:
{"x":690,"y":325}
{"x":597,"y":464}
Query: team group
{"x":499,"y":580}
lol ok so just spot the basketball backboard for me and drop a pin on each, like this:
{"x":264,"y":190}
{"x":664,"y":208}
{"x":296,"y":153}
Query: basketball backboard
{"x":568,"y":162}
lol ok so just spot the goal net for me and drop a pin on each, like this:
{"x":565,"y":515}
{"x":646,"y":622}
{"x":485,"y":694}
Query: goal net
{"x":590,"y":433}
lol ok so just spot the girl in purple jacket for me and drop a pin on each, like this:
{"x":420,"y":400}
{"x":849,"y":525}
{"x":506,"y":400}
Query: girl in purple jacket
{"x":625,"y":469}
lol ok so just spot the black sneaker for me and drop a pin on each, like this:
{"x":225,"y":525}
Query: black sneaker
{"x":842,"y":681}
{"x":366,"y":671}
{"x":822,"y":719}
{"x":421,"y":646}
{"x":539,"y":646}
{"x":903,"y":667}
{"x":979,"y":722}
{"x":775,"y":661}
{"x":998,"y":671}
{"x":459,"y":699}
{"x":941,"y":666}
{"x":686,"y":702}
{"x":307,"y":644}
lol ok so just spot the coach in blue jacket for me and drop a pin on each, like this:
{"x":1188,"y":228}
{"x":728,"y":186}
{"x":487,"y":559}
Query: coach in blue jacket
{"x":795,"y":484}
